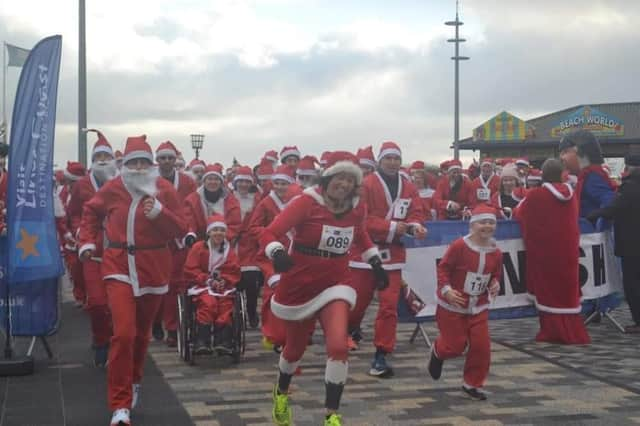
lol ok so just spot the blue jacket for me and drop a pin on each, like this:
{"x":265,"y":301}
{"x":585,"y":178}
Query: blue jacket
{"x":596,"y":194}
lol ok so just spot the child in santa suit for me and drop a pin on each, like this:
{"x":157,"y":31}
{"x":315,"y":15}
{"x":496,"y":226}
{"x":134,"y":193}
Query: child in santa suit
{"x":468,"y":278}
{"x":213,"y":267}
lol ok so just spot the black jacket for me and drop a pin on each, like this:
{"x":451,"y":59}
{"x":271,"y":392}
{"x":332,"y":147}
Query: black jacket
{"x":625,"y":211}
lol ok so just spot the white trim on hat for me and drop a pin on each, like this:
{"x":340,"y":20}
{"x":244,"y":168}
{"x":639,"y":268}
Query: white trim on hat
{"x":197,"y":166}
{"x":217,"y":224}
{"x":102,"y":148}
{"x":454,"y":167}
{"x":282,"y":176}
{"x":242,"y":177}
{"x":389,"y":151}
{"x":306,"y":172}
{"x":534,"y":177}
{"x":522,"y":162}
{"x":483,"y":162}
{"x":346,"y":167}
{"x":482,"y":216}
{"x":367,"y":162}
{"x":264,"y":177}
{"x":218,"y":174}
{"x":137,"y":154}
{"x":71,"y":176}
{"x":288,"y":153}
{"x":167,"y":152}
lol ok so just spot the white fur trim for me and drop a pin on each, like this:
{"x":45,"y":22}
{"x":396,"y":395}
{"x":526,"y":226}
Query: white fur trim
{"x":392,"y":231}
{"x":552,"y":310}
{"x":367,"y":162}
{"x":197,"y":166}
{"x":70,"y":176}
{"x":272,"y":247}
{"x":193,"y":234}
{"x":166,"y":153}
{"x":534,"y":178}
{"x":344,"y":167}
{"x":310,"y":308}
{"x":471,"y":310}
{"x":287,"y":367}
{"x":85,"y":247}
{"x":368,"y":254}
{"x":273,"y":280}
{"x":101,"y":148}
{"x":445,"y":289}
{"x":249,"y":268}
{"x":336,"y":371}
{"x":219,"y":175}
{"x":137,"y":154}
{"x":386,"y":266}
{"x":264,"y":177}
{"x":288,"y":153}
{"x":557,"y":193}
{"x":281,"y":176}
{"x":243,"y":177}
{"x":306,"y":172}
{"x":155,"y":211}
{"x":216,"y":225}
{"x":482,"y":216}
{"x":389,"y":151}
{"x":454,"y":167}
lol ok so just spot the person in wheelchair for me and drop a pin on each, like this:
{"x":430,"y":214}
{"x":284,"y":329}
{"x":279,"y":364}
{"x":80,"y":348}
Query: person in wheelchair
{"x":212,"y":266}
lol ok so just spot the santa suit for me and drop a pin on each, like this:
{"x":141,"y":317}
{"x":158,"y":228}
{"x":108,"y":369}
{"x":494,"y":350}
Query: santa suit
{"x":136,"y":267}
{"x":426,"y":199}
{"x":198,"y":209}
{"x":443,"y":197}
{"x":497,"y":202}
{"x":384,"y":213}
{"x":552,"y":261}
{"x":246,"y":249}
{"x":97,"y":304}
{"x":70,"y":249}
{"x":470,"y":270}
{"x":482,"y":190}
{"x":202,"y":263}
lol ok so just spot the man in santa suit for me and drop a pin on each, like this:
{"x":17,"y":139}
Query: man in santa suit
{"x":244,"y":245}
{"x":290,"y":155}
{"x":323,"y":159}
{"x":394,"y":210}
{"x":306,"y":173}
{"x":485,"y":185}
{"x":420,"y":179}
{"x":211,"y":197}
{"x":263,"y":172}
{"x":118,"y":156}
{"x":196,"y":170}
{"x":271,"y":156}
{"x":141,"y":215}
{"x":454,"y":195}
{"x":552,"y":248}
{"x":523,"y":166}
{"x":166,"y":157}
{"x":366,"y":160}
{"x":103,"y":168}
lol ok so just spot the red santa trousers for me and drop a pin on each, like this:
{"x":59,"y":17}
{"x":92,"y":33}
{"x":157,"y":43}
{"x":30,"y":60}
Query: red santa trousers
{"x":97,"y":303}
{"x":387,"y":317}
{"x":273,"y":328}
{"x":168,"y":312}
{"x":456,"y":332}
{"x":213,"y":310}
{"x":568,"y":329}
{"x":74,"y":266}
{"x":132,"y":321}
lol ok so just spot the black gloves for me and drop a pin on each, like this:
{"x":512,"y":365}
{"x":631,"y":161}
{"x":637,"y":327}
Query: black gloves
{"x":189,"y":241}
{"x":594,"y":216}
{"x":282,"y":262}
{"x":380,"y":275}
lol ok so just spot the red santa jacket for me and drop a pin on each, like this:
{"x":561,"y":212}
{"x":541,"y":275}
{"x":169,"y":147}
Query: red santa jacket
{"x":81,"y":192}
{"x":138,"y":251}
{"x":203,"y":263}
{"x":470,"y":270}
{"x":442,"y":197}
{"x":518,"y":195}
{"x":197,"y":210}
{"x":383,"y":216}
{"x":320,"y":253}
{"x":246,"y":247}
{"x":426,"y":200}
{"x":482,"y":190}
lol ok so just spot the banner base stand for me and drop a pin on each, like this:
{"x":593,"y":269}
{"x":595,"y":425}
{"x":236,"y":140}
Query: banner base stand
{"x":605,"y":314}
{"x":17,"y":366}
{"x":420,"y":329}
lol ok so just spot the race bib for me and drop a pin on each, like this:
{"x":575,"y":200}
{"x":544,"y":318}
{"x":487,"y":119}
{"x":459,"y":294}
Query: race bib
{"x":335,"y":239}
{"x":426,"y":193}
{"x":483,"y":194}
{"x":476,"y":284}
{"x":401,"y":208}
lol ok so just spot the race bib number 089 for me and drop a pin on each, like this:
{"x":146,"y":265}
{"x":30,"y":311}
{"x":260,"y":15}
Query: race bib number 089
{"x":336,"y":239}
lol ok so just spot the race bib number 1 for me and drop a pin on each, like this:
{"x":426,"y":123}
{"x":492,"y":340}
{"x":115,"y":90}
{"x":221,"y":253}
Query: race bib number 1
{"x":401,"y":208}
{"x":476,"y":284}
{"x":335,"y":239}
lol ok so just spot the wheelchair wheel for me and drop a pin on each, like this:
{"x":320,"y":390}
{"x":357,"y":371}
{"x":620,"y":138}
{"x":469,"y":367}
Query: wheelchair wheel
{"x":239,"y":326}
{"x":185,"y":329}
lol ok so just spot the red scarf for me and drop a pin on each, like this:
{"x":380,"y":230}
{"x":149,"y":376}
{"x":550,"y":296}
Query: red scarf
{"x":593,"y":168}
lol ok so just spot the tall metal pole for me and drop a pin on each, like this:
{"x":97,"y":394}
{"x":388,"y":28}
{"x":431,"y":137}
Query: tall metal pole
{"x":5,"y":67}
{"x":457,"y":58}
{"x":82,"y":87}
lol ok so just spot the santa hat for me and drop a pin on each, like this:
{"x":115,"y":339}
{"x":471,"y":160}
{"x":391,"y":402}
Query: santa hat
{"x":101,"y":145}
{"x":534,"y":175}
{"x":486,"y":160}
{"x":243,"y":173}
{"x":483,"y":212}
{"x":283,"y":172}
{"x":137,"y":147}
{"x":444,"y":165}
{"x":307,"y":166}
{"x":215,"y":221}
{"x":197,"y":164}
{"x":404,"y":172}
{"x":522,"y":162}
{"x":265,"y":169}
{"x":510,"y":170}
{"x":166,"y":149}
{"x":389,"y":148}
{"x":289,"y":151}
{"x":324,"y":158}
{"x":366,"y":157}
{"x":343,"y":162}
{"x":213,"y":169}
{"x":454,"y":165}
{"x":418,"y":166}
{"x":271,"y":156}
{"x":503,"y":161}
{"x":74,"y":170}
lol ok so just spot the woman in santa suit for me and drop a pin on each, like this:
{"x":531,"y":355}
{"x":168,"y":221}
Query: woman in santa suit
{"x":510,"y":193}
{"x":326,"y":220}
{"x":425,"y":184}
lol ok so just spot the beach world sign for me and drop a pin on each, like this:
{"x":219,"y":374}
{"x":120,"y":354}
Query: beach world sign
{"x":589,"y":118}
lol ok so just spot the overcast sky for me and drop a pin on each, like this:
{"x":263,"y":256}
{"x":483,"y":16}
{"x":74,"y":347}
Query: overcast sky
{"x":254,"y":75}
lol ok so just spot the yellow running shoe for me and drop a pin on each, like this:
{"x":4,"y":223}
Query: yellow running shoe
{"x":281,"y":412}
{"x":267,"y":344}
{"x":333,"y":420}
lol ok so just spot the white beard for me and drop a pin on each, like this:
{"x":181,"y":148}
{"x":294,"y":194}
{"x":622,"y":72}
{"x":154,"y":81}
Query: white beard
{"x":141,"y":182}
{"x":104,"y":170}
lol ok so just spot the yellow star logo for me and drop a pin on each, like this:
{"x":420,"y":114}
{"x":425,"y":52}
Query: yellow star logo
{"x":27,"y":244}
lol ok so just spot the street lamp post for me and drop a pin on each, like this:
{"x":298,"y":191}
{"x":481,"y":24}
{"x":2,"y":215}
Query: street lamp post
{"x":196,"y":143}
{"x":457,"y":58}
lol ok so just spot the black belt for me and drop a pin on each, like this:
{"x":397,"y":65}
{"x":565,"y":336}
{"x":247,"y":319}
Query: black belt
{"x":131,"y":249}
{"x":311,"y":251}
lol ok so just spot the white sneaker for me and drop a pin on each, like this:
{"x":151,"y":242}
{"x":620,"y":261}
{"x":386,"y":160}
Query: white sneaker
{"x":120,"y":417}
{"x":135,"y":392}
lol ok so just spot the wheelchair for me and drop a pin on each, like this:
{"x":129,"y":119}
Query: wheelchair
{"x":187,"y":327}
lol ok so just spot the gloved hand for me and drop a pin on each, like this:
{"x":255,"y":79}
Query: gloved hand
{"x":282,"y":262}
{"x":593,"y":217}
{"x":218,"y":286}
{"x":189,"y":241}
{"x":380,"y":275}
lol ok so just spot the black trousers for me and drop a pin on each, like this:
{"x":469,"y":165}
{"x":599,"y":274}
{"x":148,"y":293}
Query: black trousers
{"x":250,"y":282}
{"x":631,"y":282}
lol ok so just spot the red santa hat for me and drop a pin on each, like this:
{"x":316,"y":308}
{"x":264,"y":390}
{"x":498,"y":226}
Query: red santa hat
{"x":454,"y":165}
{"x":343,"y":162}
{"x":101,"y":145}
{"x":137,"y":147}
{"x":289,"y":151}
{"x":366,"y":157}
{"x":486,"y":160}
{"x":197,"y":164}
{"x":522,"y":162}
{"x":213,"y":169}
{"x":265,"y":169}
{"x":482,"y":212}
{"x":166,"y":149}
{"x":417,"y":166}
{"x":510,"y":170}
{"x":307,"y":166}
{"x":283,"y":172}
{"x":271,"y":156}
{"x":215,"y":221}
{"x":534,"y":175}
{"x":243,"y":173}
{"x":74,"y":170}
{"x":324,"y":158}
{"x":389,"y":148}
{"x":444,"y":165}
